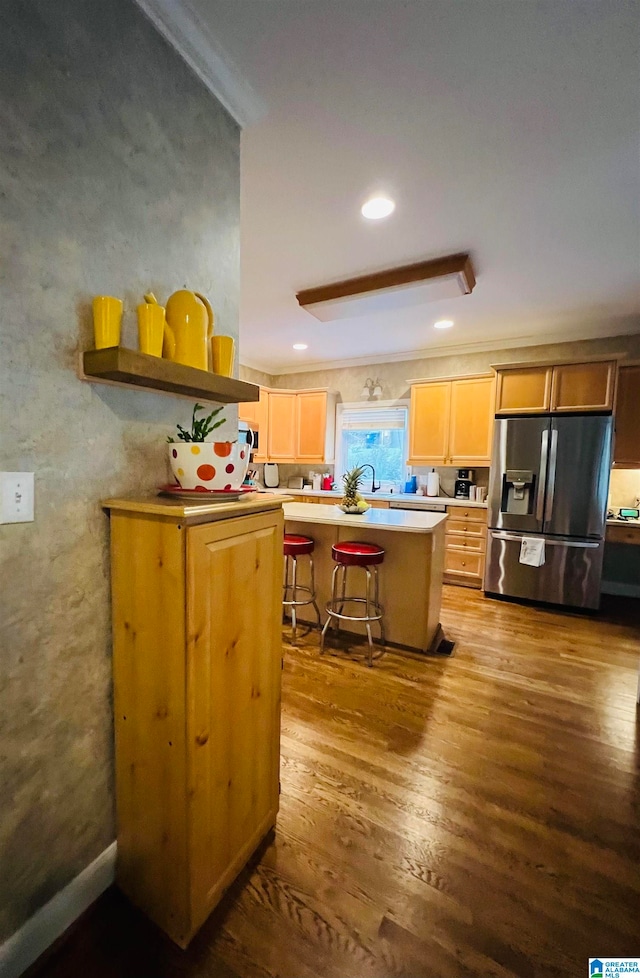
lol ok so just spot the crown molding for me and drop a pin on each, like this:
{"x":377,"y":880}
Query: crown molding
{"x":481,"y":346}
{"x":264,"y":368}
{"x":195,"y":43}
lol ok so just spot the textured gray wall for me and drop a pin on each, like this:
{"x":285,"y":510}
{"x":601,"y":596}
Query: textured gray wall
{"x":118,"y":173}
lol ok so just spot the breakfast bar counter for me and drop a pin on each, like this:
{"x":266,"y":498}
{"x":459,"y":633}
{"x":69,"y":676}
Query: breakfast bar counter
{"x":410,"y":577}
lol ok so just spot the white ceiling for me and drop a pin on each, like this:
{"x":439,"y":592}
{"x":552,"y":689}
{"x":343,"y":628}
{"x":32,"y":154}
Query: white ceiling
{"x":509,"y":128}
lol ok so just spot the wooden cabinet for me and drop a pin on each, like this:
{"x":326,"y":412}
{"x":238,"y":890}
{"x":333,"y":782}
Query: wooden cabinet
{"x":465,"y":546}
{"x":471,"y":421}
{"x":429,"y":423}
{"x":315,"y":426}
{"x":451,"y":422}
{"x":583,"y":386}
{"x":197,"y":666}
{"x":525,"y":390}
{"x":255,"y":413}
{"x":541,"y":388}
{"x":293,"y":426}
{"x":281,"y":426}
{"x":627,"y":441}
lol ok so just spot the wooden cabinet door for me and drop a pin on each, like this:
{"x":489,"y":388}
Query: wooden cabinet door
{"x":471,"y":421}
{"x":234,"y":651}
{"x":583,"y":386}
{"x":262,"y":420}
{"x":311,"y":426}
{"x":627,"y":443}
{"x":526,"y":390}
{"x":429,"y":423}
{"x":248,"y":411}
{"x":281,"y":426}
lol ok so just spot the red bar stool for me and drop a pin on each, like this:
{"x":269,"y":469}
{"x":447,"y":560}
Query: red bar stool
{"x":298,"y":546}
{"x":355,"y":554}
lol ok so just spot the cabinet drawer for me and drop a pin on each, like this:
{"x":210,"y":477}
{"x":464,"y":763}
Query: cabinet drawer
{"x":469,"y":514}
{"x":466,"y":526}
{"x":466,"y":541}
{"x":468,"y":564}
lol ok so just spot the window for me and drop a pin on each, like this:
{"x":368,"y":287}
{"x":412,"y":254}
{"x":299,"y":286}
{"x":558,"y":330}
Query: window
{"x":376,"y":434}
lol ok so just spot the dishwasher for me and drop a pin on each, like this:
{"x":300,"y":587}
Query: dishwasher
{"x":423,"y":507}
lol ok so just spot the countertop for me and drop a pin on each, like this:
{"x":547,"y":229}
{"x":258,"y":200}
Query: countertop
{"x":634,"y":524}
{"x":396,"y":497}
{"x":189,"y":511}
{"x":401,"y":520}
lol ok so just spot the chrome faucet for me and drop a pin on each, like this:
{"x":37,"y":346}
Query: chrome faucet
{"x":368,"y":465}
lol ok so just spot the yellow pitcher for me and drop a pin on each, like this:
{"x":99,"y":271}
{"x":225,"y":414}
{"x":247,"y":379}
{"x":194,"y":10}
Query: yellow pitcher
{"x":188,"y":328}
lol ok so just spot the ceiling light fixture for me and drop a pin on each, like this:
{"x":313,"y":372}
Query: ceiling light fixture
{"x":392,"y":288}
{"x":377,"y":207}
{"x":443,"y":324}
{"x":371,"y":389}
{"x":300,"y":346}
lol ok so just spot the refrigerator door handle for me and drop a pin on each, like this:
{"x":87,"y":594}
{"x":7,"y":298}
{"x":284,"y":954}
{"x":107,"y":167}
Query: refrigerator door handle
{"x":544,"y":449}
{"x":518,"y":537}
{"x":551,"y":482}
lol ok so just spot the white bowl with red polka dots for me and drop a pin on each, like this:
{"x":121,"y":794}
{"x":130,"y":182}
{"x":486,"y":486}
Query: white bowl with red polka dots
{"x":209,"y":464}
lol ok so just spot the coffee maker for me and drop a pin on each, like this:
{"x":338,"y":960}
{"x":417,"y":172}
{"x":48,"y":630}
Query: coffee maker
{"x":463,"y":483}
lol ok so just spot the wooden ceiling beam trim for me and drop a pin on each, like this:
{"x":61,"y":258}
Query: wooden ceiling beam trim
{"x":391,"y":278}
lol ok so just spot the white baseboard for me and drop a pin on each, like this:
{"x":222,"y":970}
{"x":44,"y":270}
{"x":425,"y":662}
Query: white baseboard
{"x":624,"y":590}
{"x":40,"y":931}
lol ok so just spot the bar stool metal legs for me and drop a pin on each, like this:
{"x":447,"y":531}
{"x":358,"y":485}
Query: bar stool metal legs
{"x":373,"y":610}
{"x":298,"y":595}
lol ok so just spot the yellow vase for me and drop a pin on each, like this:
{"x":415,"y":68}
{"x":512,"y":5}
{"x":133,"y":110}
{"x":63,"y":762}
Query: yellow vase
{"x":107,"y":319}
{"x":151,"y":328}
{"x":222,"y":353}
{"x":189,"y":326}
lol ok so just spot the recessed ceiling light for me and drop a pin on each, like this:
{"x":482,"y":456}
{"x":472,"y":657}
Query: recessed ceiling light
{"x":300,"y":346}
{"x":443,"y":324}
{"x":378,"y":207}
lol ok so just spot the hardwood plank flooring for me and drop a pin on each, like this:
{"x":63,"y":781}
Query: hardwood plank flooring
{"x":471,"y":817}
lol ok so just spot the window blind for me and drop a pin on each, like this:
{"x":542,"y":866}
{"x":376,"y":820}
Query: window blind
{"x":374,"y":419}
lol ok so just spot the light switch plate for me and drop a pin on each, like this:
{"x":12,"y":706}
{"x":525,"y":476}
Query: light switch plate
{"x":16,"y":497}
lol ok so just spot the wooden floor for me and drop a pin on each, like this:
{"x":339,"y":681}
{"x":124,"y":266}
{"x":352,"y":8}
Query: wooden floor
{"x":472,"y":816}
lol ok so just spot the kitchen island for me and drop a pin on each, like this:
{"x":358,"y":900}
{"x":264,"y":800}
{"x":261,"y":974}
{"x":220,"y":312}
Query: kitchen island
{"x":410,"y":577}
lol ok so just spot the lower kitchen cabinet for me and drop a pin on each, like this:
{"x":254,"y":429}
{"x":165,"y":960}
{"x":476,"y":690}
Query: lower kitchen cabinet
{"x":197,"y":664}
{"x":465,"y":546}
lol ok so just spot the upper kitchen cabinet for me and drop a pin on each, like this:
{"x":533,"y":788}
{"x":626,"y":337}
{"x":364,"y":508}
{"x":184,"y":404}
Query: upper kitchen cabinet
{"x":471,"y":421}
{"x":281,"y":426}
{"x":255,"y":413}
{"x":526,"y":390}
{"x":584,"y":386}
{"x":315,"y":426}
{"x":293,"y":426}
{"x":429,"y":423}
{"x":541,"y":388}
{"x":627,"y":442}
{"x":451,"y":421}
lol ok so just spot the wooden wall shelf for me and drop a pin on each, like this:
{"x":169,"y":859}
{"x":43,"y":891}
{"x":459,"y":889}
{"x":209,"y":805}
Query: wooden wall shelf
{"x":128,"y":368}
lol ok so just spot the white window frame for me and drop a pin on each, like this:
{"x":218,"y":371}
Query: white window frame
{"x":367,"y":406}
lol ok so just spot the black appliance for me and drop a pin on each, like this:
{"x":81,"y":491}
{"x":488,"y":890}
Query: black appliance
{"x":463,"y":483}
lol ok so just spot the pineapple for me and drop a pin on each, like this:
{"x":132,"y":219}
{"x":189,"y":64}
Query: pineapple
{"x":352,"y":501}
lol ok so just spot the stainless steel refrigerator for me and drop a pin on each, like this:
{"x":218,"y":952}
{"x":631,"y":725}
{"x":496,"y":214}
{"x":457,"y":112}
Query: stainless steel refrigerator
{"x":549,"y":481}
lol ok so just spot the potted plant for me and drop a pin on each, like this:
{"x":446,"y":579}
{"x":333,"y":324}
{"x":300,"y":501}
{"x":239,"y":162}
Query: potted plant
{"x":352,"y":501}
{"x":205,"y":465}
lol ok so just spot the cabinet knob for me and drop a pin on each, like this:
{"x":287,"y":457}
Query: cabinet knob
{"x":464,"y":563}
